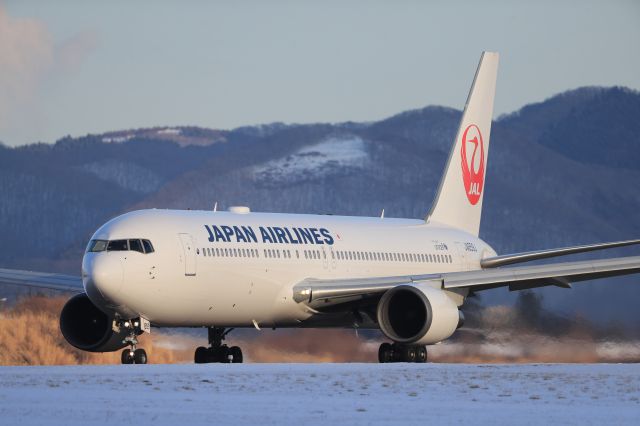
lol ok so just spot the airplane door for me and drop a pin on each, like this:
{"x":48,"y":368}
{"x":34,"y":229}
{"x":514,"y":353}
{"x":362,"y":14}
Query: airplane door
{"x":189,"y":252}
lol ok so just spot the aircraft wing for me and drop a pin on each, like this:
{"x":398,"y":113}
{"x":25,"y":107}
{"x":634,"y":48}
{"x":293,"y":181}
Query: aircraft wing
{"x":326,"y":293}
{"x":44,"y":280}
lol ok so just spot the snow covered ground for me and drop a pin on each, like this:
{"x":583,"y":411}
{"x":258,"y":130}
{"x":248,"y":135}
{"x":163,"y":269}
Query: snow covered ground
{"x":322,"y":394}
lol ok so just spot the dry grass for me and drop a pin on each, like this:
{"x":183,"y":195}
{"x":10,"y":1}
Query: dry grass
{"x":312,"y":345}
{"x":30,"y":335}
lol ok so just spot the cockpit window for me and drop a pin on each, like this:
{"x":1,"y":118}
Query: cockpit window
{"x":97,"y":245}
{"x":142,"y":246}
{"x":118,"y":245}
{"x":135,"y":245}
{"x":148,"y":248}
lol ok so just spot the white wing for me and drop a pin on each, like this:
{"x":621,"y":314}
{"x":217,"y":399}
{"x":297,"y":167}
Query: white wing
{"x":326,"y":293}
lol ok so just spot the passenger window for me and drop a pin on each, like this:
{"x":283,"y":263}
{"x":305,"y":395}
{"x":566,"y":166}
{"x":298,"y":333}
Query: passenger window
{"x":97,"y":245}
{"x":118,"y":245}
{"x":135,"y":245}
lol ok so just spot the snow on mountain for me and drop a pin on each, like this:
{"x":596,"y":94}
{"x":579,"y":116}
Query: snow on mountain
{"x":316,"y":161}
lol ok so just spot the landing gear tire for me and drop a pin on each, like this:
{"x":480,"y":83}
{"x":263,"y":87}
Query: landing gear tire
{"x":201,"y":356}
{"x":140,"y":356}
{"x":409,"y":354}
{"x":236,"y":355}
{"x":217,"y":352}
{"x":421,"y":354}
{"x":385,"y":353}
{"x":402,"y":353}
{"x":222,"y":354}
{"x":127,"y":356}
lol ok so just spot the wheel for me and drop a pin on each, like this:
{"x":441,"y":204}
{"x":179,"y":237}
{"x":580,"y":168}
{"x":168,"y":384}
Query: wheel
{"x":201,"y":355}
{"x":409,"y":353}
{"x":385,"y":353}
{"x":421,"y":354}
{"x":140,"y":356}
{"x":127,"y":356}
{"x":236,"y":355}
{"x":222,"y":354}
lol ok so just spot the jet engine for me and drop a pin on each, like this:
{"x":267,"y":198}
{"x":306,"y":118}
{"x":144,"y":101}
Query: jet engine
{"x":418,"y":314}
{"x":86,"y":327}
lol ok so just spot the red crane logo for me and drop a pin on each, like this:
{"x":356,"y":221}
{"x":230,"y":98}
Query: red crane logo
{"x":472,"y":153}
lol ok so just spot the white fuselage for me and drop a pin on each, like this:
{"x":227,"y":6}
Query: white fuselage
{"x":236,"y":270}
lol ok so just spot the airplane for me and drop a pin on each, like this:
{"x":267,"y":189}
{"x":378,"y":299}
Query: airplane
{"x":225,"y":270}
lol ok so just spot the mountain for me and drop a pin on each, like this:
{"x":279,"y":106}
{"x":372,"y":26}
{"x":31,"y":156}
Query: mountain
{"x":564,"y":171}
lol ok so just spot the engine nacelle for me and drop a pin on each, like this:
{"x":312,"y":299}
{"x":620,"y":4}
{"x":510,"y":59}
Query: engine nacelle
{"x":417,"y":314}
{"x":86,"y":327}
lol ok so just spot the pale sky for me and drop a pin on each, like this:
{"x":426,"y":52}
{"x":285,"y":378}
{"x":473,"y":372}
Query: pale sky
{"x":78,"y":67}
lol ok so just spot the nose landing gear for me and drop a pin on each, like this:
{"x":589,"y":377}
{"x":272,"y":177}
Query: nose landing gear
{"x":217,"y":352}
{"x":133,"y":355}
{"x":402,"y":353}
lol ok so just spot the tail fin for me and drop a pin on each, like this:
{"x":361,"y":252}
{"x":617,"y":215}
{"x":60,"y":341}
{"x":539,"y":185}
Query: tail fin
{"x":459,"y":199}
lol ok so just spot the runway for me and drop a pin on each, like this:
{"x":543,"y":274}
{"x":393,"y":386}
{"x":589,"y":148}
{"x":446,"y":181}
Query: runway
{"x":321,"y":394}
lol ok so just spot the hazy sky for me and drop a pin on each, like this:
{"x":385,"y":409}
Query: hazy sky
{"x":76,"y":67}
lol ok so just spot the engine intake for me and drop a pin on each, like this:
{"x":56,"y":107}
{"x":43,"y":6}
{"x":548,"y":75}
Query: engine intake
{"x":86,"y":327}
{"x":417,"y":314}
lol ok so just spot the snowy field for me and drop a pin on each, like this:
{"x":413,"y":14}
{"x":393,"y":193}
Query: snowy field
{"x":321,"y":394}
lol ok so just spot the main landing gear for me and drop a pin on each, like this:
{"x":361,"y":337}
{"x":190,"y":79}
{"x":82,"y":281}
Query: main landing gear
{"x":396,"y":352}
{"x":217,"y":352}
{"x":132,"y":355}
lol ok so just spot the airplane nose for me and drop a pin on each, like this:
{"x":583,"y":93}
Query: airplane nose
{"x":104,"y":274}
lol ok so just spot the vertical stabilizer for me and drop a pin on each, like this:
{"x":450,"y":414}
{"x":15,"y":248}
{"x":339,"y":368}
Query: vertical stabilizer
{"x":458,"y":202}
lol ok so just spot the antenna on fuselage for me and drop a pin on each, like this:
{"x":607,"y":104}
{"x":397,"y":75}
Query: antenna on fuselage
{"x":215,"y":207}
{"x":382,"y":214}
